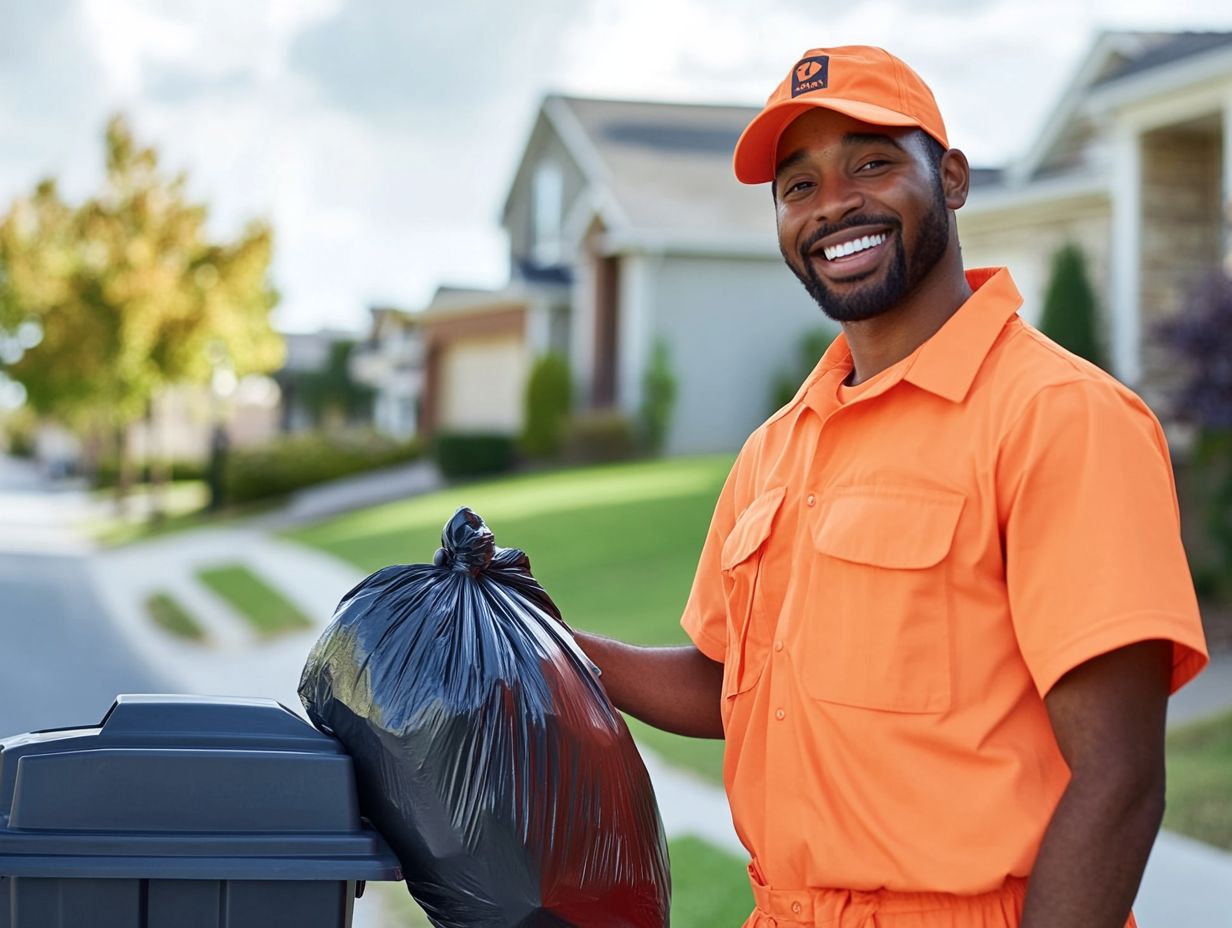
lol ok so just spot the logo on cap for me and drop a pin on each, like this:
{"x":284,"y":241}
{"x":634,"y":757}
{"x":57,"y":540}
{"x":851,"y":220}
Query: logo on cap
{"x":810,"y":74}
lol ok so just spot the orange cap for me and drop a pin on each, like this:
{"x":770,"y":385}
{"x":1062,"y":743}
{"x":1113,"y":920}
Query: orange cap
{"x":860,"y":81}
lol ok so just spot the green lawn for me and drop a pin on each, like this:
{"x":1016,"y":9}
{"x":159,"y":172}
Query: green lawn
{"x":169,"y":615}
{"x":1200,"y":781}
{"x":709,"y":890}
{"x":615,"y":546}
{"x":269,"y":612}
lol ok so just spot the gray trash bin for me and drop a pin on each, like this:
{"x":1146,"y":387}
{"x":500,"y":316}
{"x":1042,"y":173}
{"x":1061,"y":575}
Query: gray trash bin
{"x":183,"y":812}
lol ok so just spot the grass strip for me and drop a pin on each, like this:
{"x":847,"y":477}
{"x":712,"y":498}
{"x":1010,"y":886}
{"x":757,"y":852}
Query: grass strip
{"x":172,"y":617}
{"x":1200,"y":781}
{"x":266,"y":609}
{"x":710,"y":889}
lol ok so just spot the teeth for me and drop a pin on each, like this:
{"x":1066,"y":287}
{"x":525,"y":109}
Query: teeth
{"x":843,"y":249}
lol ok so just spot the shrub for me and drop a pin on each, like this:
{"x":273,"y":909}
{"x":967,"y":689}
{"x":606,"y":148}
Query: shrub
{"x":658,"y":399}
{"x":811,"y":347}
{"x":473,"y":454}
{"x":599,"y":435}
{"x":296,"y":461}
{"x":1070,"y":316}
{"x":547,"y":406}
{"x":1200,"y":335}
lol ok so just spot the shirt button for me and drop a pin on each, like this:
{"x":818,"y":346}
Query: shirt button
{"x":796,"y":908}
{"x":778,"y":646}
{"x":780,"y":714}
{"x":811,"y":499}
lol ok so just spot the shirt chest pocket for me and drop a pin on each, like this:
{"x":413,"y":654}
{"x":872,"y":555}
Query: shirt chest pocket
{"x":878,"y":631}
{"x":748,"y":589}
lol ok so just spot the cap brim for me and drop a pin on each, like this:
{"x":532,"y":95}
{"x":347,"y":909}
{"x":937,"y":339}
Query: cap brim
{"x":754,"y":157}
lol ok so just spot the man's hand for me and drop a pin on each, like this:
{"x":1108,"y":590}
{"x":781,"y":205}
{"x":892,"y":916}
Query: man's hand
{"x":677,"y":689}
{"x":1108,"y":717}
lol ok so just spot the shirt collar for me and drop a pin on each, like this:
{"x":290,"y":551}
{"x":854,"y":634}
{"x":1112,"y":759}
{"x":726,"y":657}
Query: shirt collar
{"x":947,"y":363}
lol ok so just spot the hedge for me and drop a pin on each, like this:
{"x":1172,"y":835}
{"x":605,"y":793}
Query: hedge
{"x":473,"y":454}
{"x":295,"y":461}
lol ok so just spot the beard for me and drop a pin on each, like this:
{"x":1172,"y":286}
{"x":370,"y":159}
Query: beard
{"x":901,"y":277}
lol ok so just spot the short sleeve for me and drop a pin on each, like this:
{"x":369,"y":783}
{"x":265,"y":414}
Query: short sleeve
{"x":1093,"y":554}
{"x":705,"y":613}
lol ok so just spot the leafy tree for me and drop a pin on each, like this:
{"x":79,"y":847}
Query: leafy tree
{"x":128,"y":294}
{"x":1201,"y":337}
{"x":659,"y":388}
{"x":1070,"y":316}
{"x":547,"y":402}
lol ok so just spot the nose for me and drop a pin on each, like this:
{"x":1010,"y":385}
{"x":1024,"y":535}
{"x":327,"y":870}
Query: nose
{"x":836,"y":197}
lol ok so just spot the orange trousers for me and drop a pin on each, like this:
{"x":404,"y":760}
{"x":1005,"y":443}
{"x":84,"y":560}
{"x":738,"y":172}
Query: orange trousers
{"x":838,"y":908}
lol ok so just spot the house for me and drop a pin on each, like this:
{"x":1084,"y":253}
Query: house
{"x":390,"y":361}
{"x":627,"y":228}
{"x":1134,"y":164}
{"x":307,"y":353}
{"x":634,"y":208}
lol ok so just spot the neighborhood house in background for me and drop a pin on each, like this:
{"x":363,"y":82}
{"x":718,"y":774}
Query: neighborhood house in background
{"x":625,"y":229}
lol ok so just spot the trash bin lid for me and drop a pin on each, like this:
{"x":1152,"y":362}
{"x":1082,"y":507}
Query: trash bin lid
{"x":186,"y":787}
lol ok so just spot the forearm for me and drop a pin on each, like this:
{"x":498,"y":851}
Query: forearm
{"x":1094,"y":851}
{"x":677,"y":689}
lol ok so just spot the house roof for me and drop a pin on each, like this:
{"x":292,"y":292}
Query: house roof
{"x":668,"y":166}
{"x":1117,"y":61}
{"x":1162,"y":48}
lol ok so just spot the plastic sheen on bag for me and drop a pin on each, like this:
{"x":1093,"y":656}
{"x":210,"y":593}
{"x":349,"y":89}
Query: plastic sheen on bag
{"x":486,"y":751}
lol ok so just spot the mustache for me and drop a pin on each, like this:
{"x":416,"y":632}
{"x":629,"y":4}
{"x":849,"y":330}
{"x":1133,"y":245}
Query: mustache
{"x":851,"y":222}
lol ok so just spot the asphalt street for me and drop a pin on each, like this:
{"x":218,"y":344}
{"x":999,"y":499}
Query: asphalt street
{"x":64,"y":662}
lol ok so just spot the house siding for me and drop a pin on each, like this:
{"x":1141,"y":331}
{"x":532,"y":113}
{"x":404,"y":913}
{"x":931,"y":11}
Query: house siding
{"x":731,"y":325}
{"x":1181,"y":236}
{"x":1026,"y":245}
{"x":545,"y":145}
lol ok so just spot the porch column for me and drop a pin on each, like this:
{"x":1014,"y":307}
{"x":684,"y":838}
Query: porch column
{"x":1125,"y":307}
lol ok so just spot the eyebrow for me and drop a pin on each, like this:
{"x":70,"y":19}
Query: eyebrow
{"x":850,"y":140}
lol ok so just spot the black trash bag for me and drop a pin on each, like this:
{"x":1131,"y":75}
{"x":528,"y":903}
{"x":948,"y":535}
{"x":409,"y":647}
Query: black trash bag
{"x":486,"y":751}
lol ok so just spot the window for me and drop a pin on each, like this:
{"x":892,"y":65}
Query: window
{"x":547,"y":213}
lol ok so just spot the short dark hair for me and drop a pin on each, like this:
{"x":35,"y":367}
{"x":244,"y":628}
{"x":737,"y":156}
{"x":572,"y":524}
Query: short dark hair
{"x":933,"y":150}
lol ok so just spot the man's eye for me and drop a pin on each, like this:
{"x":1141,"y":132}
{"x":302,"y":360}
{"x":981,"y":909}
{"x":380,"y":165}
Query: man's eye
{"x":875,"y":163}
{"x":797,"y":186}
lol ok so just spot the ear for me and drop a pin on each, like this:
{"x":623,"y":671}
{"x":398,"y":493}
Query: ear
{"x":955,"y":178}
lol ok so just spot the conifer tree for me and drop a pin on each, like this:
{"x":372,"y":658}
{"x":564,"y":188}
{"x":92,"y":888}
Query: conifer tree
{"x":1071,"y":318}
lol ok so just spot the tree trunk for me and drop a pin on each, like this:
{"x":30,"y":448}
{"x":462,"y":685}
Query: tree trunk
{"x":158,"y":470}
{"x":124,"y":471}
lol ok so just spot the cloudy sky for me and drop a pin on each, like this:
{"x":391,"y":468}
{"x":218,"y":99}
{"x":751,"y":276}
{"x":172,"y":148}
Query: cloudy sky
{"x":380,"y":136}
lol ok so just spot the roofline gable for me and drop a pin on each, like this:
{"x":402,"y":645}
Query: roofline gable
{"x":556,"y":115}
{"x":1178,"y":75}
{"x":1062,"y":114}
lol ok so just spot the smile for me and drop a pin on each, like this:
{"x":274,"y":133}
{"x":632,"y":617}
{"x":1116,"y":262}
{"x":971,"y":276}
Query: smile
{"x":854,"y":246}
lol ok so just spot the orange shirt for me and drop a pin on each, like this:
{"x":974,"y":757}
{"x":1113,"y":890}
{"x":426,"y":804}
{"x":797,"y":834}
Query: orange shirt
{"x":897,"y":573}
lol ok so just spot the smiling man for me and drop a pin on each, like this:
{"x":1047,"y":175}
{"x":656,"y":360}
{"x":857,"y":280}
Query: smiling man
{"x":943,"y":600}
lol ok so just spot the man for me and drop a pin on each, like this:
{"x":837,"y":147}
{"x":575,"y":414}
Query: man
{"x":942,"y":601}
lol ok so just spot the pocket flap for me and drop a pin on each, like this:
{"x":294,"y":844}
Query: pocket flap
{"x":751,"y":528}
{"x":896,"y":527}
